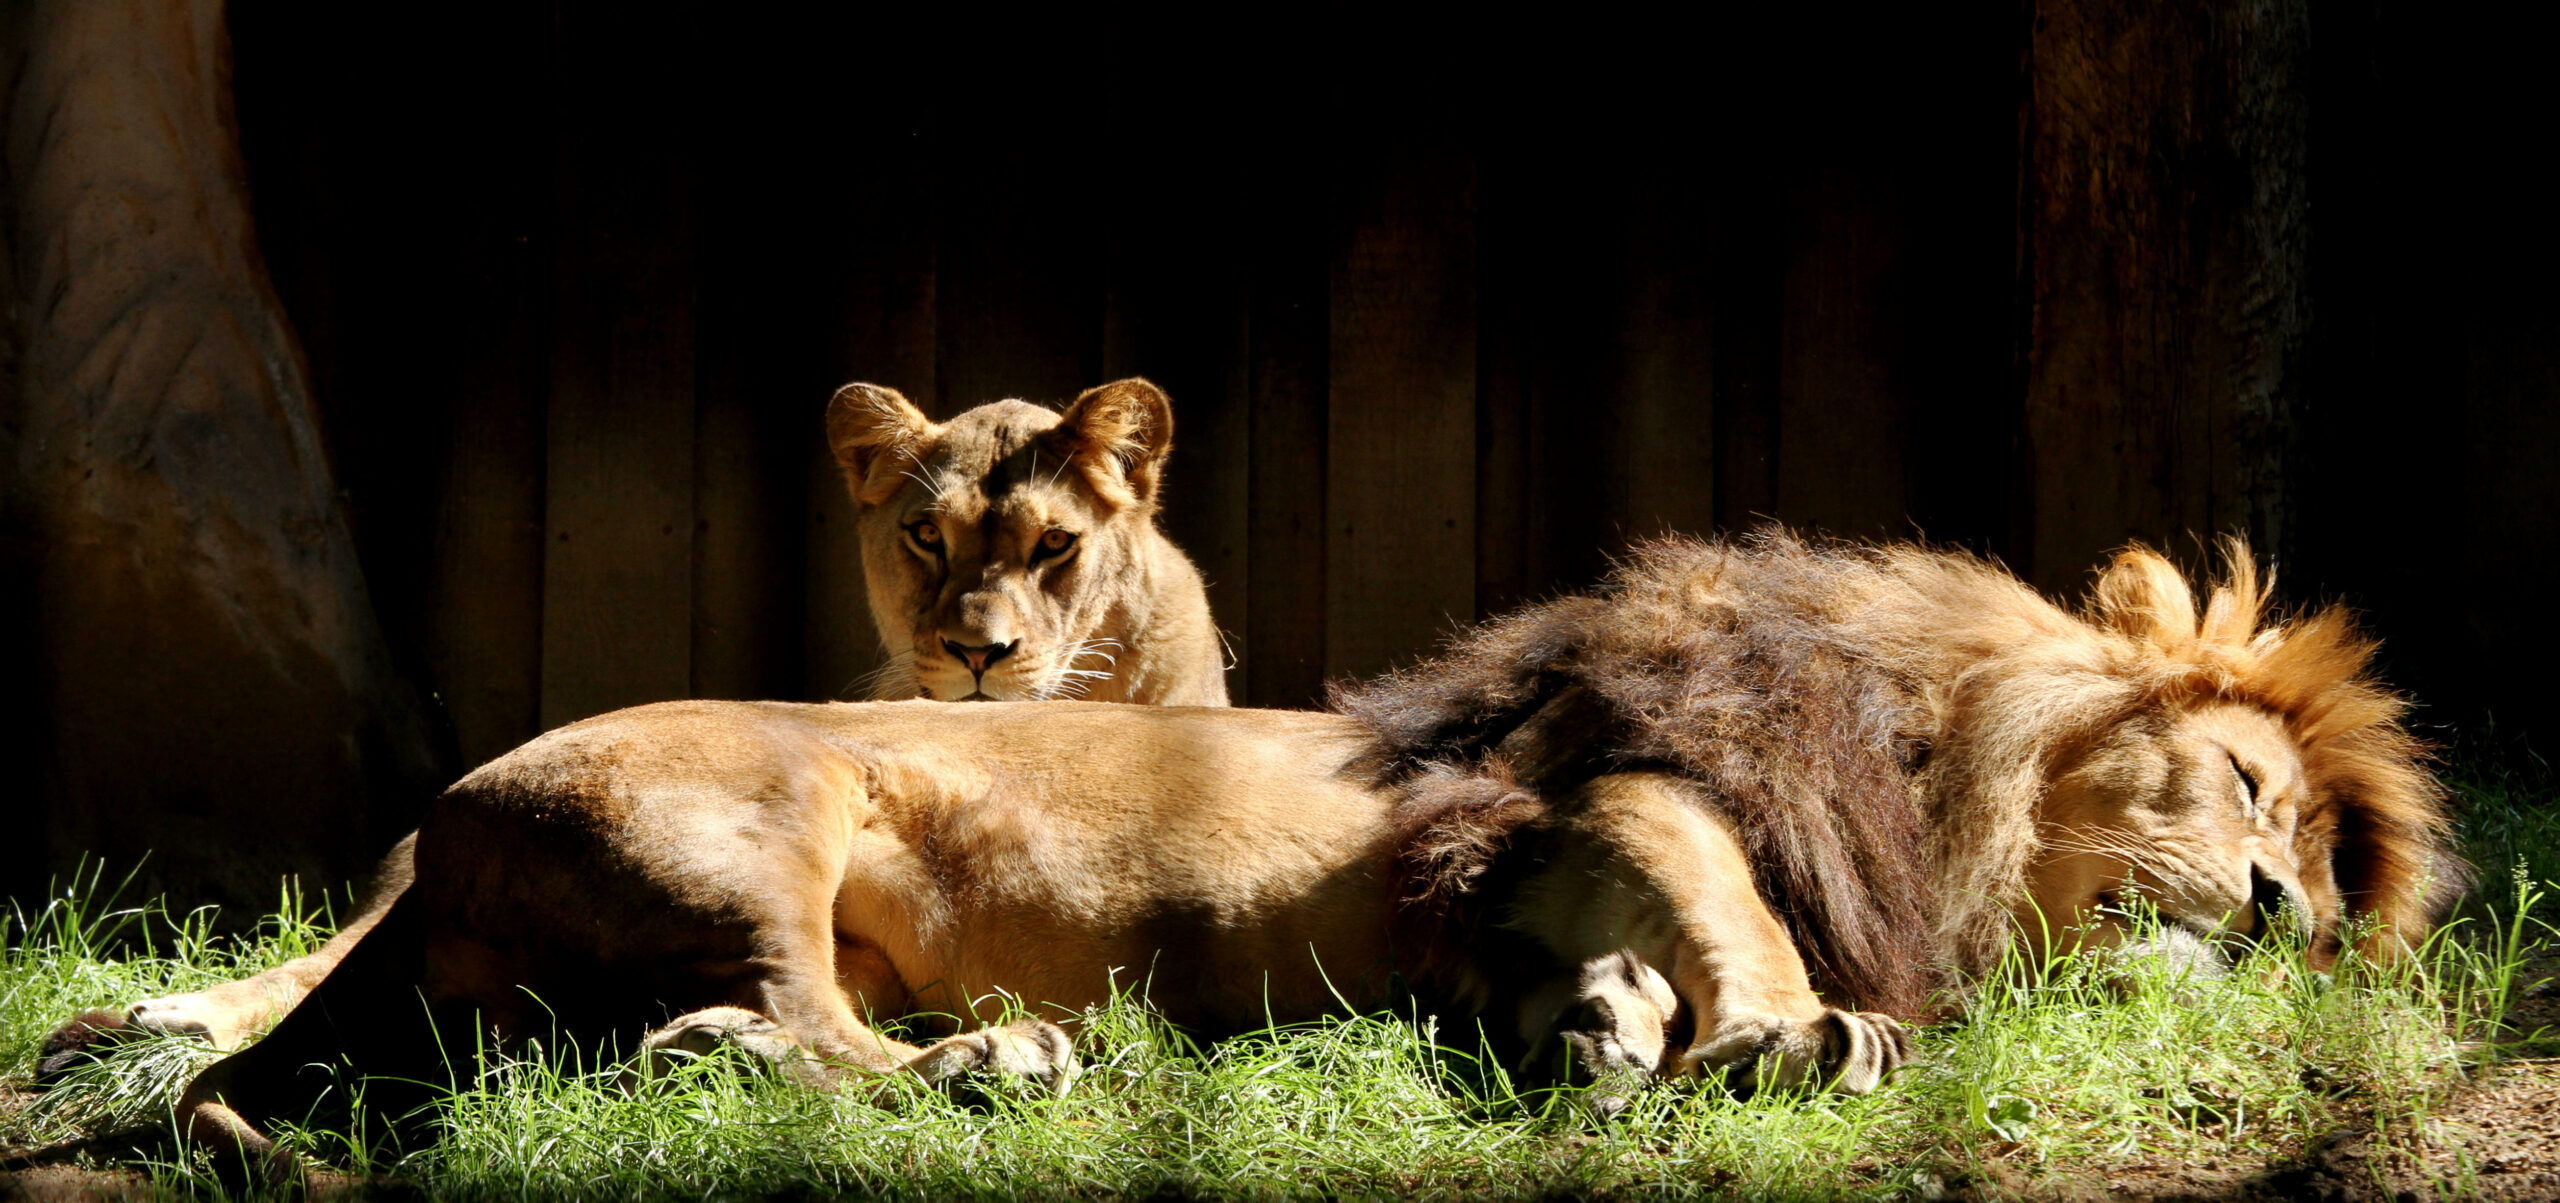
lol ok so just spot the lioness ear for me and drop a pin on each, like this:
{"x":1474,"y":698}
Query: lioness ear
{"x":2143,"y":595}
{"x":868,"y":426}
{"x":1121,"y":433}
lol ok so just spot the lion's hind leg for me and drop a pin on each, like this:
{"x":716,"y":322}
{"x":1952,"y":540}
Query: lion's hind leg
{"x":231,"y":1013}
{"x":1649,"y":870}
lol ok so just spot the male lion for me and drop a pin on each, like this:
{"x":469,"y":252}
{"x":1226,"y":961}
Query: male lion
{"x":1741,"y":808}
{"x":1010,"y":553}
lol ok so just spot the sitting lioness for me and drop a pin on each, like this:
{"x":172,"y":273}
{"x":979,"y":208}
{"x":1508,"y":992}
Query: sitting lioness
{"x":1010,"y":553}
{"x":1746,"y":809}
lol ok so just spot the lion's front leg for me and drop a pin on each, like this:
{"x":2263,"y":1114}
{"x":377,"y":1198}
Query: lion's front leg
{"x":1645,"y":867}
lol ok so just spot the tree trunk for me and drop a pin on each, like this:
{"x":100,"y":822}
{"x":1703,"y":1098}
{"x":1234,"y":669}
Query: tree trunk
{"x":211,"y":684}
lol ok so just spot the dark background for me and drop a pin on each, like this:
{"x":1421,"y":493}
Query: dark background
{"x":1450,"y":313}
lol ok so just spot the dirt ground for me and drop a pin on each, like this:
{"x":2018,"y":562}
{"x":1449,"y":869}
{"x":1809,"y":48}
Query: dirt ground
{"x":2496,"y":1138}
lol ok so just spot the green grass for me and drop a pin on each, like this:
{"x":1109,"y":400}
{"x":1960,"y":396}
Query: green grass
{"x":2050,"y":1078}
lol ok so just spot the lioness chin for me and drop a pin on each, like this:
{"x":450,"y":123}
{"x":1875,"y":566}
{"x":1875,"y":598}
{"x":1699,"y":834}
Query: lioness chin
{"x":1745,"y":809}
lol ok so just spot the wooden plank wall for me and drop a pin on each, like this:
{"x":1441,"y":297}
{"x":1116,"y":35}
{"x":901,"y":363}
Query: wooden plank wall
{"x":1443,"y":333}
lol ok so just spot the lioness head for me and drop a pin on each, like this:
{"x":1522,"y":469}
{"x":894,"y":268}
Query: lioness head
{"x":1002,"y":548}
{"x":2254,"y":781}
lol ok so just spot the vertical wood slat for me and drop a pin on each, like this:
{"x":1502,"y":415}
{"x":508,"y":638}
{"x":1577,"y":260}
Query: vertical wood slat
{"x":486,"y":596}
{"x":617,"y":608}
{"x":1400,"y":443}
{"x":1749,"y":333}
{"x":1507,"y":294}
{"x":2166,"y":240}
{"x":1019,"y":275}
{"x":1663,"y":392}
{"x":1290,"y":333}
{"x":1841,"y":411}
{"x":1559,"y":288}
{"x":882,"y":331}
{"x":758,"y":399}
{"x":1178,"y":313}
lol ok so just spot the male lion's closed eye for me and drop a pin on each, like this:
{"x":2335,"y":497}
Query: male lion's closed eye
{"x":2248,"y":785}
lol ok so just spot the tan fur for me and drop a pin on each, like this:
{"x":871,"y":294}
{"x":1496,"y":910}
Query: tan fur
{"x":1118,"y":616}
{"x":1600,"y":824}
{"x":1123,"y":618}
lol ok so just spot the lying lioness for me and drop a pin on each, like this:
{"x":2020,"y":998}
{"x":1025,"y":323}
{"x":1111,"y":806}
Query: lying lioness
{"x":1010,"y":553}
{"x":1746,"y":808}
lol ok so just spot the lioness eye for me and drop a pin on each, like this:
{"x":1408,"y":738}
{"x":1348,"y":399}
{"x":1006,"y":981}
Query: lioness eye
{"x":926,"y":535}
{"x":2248,"y":785}
{"x":1053,"y":543}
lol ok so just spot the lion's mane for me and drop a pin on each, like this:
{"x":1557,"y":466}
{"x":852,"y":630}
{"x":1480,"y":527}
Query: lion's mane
{"x":1878,"y":724}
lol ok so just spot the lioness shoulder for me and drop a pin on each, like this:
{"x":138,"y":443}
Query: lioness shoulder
{"x":1012,"y":552}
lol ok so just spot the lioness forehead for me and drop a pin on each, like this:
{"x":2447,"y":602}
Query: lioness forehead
{"x":993,"y":450}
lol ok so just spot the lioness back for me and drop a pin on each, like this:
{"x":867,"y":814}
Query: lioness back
{"x":1012,"y":553}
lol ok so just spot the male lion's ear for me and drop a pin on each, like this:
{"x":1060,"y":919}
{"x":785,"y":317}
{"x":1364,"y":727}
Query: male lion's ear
{"x":1121,"y":433}
{"x":868,"y":426}
{"x":2144,"y":596}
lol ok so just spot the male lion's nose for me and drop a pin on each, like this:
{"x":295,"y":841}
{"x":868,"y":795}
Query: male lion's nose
{"x":2270,"y":897}
{"x":979,"y":657}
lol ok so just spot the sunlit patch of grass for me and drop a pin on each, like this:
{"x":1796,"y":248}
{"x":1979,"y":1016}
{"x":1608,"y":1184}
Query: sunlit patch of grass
{"x":82,"y":948}
{"x":2047,"y":1077}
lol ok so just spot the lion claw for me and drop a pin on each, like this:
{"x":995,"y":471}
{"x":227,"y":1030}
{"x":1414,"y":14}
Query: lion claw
{"x":1849,"y":1052}
{"x":1030,"y":1048}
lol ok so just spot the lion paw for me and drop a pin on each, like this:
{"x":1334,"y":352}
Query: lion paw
{"x":701,"y":1033}
{"x":1624,"y":1032}
{"x":80,"y":1040}
{"x":1027,"y":1048}
{"x":89,"y":1032}
{"x":174,"y":1015}
{"x":1847,"y":1051}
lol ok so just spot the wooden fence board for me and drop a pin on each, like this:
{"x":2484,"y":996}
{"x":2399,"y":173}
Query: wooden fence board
{"x":485,"y":598}
{"x":1401,"y":444}
{"x":1841,"y":412}
{"x":2166,"y":242}
{"x":1179,"y":312}
{"x":617,"y":609}
{"x":881,"y":331}
{"x":1290,"y":331}
{"x":1662,"y":397}
{"x":1019,"y":281}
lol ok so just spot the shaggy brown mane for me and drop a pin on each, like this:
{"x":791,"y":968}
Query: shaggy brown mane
{"x":1878,"y":724}
{"x":1716,"y":662}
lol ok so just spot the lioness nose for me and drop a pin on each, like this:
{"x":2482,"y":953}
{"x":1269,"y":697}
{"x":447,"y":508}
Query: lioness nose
{"x":979,"y":657}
